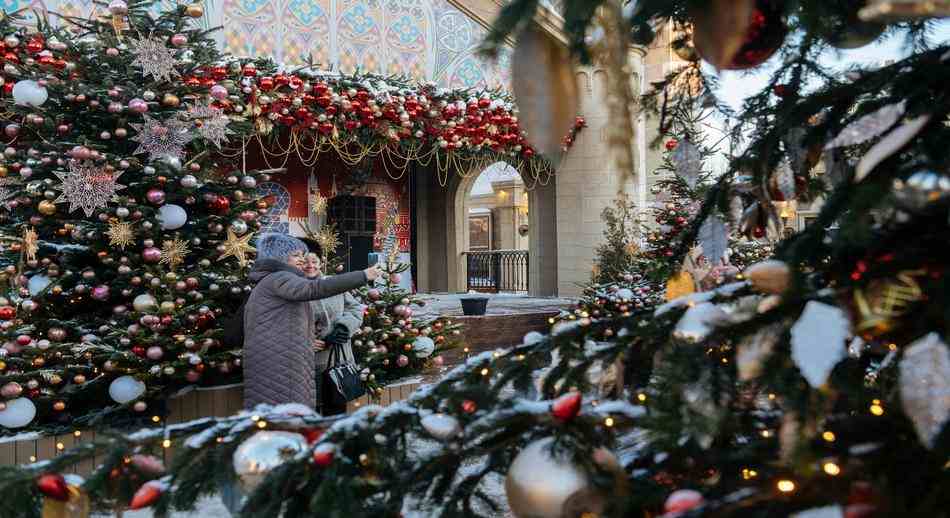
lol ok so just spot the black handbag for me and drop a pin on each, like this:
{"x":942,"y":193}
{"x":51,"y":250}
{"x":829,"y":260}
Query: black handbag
{"x":341,"y":381}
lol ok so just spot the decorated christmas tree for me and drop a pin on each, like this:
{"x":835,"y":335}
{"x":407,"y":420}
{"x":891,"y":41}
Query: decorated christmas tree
{"x":394,"y":344}
{"x":815,"y":385}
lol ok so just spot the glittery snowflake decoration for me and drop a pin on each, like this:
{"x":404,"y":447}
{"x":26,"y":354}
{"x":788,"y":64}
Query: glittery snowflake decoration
{"x":210,"y":122}
{"x":87,"y":186}
{"x":8,"y":188}
{"x":237,"y":247}
{"x":173,"y":253}
{"x":160,"y":139}
{"x":120,"y":234}
{"x":31,"y":244}
{"x":925,"y":386}
{"x":869,"y":126}
{"x":155,"y":58}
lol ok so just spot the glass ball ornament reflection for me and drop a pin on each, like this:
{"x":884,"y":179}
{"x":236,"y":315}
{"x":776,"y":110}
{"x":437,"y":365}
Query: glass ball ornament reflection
{"x":921,"y":190}
{"x":262,"y":452}
{"x":543,"y":483}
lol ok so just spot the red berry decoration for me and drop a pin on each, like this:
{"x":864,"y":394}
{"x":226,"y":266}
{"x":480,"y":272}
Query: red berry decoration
{"x":147,"y":495}
{"x":671,"y":144}
{"x":567,"y":406}
{"x":681,"y":501}
{"x":54,"y":486}
{"x":323,"y":455}
{"x":469,"y":406}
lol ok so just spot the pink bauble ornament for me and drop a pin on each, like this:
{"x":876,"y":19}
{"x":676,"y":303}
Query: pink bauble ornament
{"x":179,"y":40}
{"x":219,"y":92}
{"x":118,"y":7}
{"x":154,"y":353}
{"x":12,"y":130}
{"x":151,"y":255}
{"x":139,"y":406}
{"x":395,"y":278}
{"x":155,"y":196}
{"x":100,"y":292}
{"x":138,"y":105}
{"x":11,"y":390}
{"x":373,"y":294}
{"x":402,"y":361}
{"x":681,"y":501}
{"x":192,"y":376}
{"x":438,"y":361}
{"x":382,"y":349}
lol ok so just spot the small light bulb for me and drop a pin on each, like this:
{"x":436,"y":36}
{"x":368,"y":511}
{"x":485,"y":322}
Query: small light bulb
{"x":831,"y":468}
{"x":609,"y":422}
{"x":641,"y":397}
{"x":828,"y":436}
{"x":166,"y":443}
{"x":60,"y":446}
{"x":262,"y":424}
{"x":877,"y":409}
{"x":785,"y":486}
{"x":156,"y":419}
{"x":484,"y":372}
{"x":77,"y":433}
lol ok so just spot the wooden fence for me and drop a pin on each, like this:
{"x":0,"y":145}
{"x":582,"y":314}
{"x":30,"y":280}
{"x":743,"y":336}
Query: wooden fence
{"x":202,"y":402}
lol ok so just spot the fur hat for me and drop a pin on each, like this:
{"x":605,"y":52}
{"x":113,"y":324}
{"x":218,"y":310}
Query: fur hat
{"x":278,"y":246}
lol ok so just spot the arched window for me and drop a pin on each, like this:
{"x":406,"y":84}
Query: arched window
{"x":277,"y":217}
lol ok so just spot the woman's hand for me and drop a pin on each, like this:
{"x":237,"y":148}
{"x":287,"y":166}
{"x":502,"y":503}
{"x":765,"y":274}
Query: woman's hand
{"x":319,"y":345}
{"x":372,"y":273}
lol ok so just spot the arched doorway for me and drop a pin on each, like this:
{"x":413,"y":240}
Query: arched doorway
{"x":444,"y":236}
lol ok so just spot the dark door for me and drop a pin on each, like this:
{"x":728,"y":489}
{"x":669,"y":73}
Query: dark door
{"x":355,"y":220}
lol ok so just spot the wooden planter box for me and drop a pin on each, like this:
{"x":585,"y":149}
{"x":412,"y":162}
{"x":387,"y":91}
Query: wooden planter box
{"x":194,"y":404}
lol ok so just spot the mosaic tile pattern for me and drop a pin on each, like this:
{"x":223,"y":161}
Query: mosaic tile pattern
{"x":422,"y":39}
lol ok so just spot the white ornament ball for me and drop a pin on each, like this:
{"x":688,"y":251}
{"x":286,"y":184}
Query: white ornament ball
{"x":423,"y":347}
{"x":262,"y":452}
{"x":625,"y":293}
{"x":442,"y":427}
{"x":18,"y":413}
{"x":172,"y":216}
{"x":37,"y":284}
{"x":126,"y":388}
{"x":29,"y":93}
{"x":545,"y":484}
{"x":144,"y":303}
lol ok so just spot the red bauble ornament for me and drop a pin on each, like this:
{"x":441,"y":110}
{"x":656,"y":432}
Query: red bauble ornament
{"x":7,"y":313}
{"x":469,"y":406}
{"x":313,"y":434}
{"x":54,"y":486}
{"x":147,"y":495}
{"x":671,"y":144}
{"x":681,"y":501}
{"x":780,"y":90}
{"x":323,"y":455}
{"x":861,"y":493}
{"x":220,"y":204}
{"x":567,"y":406}
{"x":35,"y":45}
{"x":764,"y":36}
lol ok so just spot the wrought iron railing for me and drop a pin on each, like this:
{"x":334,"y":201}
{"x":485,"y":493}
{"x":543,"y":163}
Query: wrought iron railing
{"x":497,"y":270}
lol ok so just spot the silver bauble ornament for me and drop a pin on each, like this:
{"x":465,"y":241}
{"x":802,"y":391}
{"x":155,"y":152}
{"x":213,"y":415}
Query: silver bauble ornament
{"x":542,"y":483}
{"x":921,"y":189}
{"x":239,"y":227}
{"x":262,"y":452}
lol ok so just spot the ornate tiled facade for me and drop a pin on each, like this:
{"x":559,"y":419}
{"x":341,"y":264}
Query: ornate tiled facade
{"x":424,"y":39}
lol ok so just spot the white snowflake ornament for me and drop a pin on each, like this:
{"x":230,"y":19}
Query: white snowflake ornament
{"x":87,"y":186}
{"x":162,"y":139}
{"x":925,"y":386}
{"x":155,"y":58}
{"x":211,"y":123}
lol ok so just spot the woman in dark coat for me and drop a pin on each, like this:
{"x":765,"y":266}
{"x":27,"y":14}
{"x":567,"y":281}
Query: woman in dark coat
{"x":279,"y":356}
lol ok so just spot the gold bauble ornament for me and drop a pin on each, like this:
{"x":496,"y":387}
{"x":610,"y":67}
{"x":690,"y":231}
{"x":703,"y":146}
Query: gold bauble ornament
{"x":545,"y":86}
{"x":769,"y":276}
{"x":542,"y":483}
{"x":262,"y":452}
{"x":883,"y":301}
{"x":47,"y":208}
{"x":76,"y":506}
{"x":679,"y":285}
{"x":195,"y":10}
{"x":171,"y":100}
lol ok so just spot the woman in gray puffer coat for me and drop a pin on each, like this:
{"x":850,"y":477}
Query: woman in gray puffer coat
{"x":336,"y":319}
{"x":279,"y":342}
